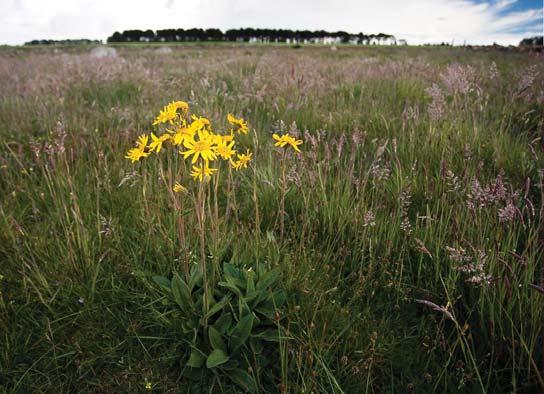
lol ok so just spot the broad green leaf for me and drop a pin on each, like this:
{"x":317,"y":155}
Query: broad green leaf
{"x":181,"y":292}
{"x":195,"y":278}
{"x":256,"y":345}
{"x":243,"y":379}
{"x":164,"y":283}
{"x":250,"y":283}
{"x":216,"y":358}
{"x":229,"y":365}
{"x":262,"y":295}
{"x":270,"y":335}
{"x":217,"y":307}
{"x":266,"y":309}
{"x":216,"y":340}
{"x":223,"y":323}
{"x":251,"y":297}
{"x":241,"y":332}
{"x":279,"y":298}
{"x":232,"y":287}
{"x":268,"y":279}
{"x":234,"y":275}
{"x":196,"y":359}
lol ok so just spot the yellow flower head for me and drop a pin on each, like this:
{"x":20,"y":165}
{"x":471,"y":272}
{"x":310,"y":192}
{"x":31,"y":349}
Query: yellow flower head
{"x":170,"y":112}
{"x":204,"y":147}
{"x":239,"y":124}
{"x":156,"y":143}
{"x":286,"y":139}
{"x":179,"y":188}
{"x":224,"y":149}
{"x":243,"y":160}
{"x":180,"y":105}
{"x":141,"y":143}
{"x":202,"y":172}
{"x":135,"y":154}
{"x":200,"y":123}
{"x":181,"y":134}
{"x":227,"y":137}
{"x":148,"y":386}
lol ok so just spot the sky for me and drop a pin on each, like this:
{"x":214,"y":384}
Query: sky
{"x":418,"y":21}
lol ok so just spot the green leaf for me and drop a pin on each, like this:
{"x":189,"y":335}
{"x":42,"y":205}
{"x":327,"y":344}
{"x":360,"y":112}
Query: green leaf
{"x":223,"y":323}
{"x":217,"y":307}
{"x":251,"y":297}
{"x":256,"y":345}
{"x":267,"y":309}
{"x":243,"y":379}
{"x":268,"y":279}
{"x":181,"y":292}
{"x":195,"y":278}
{"x":164,"y":283}
{"x":216,"y":340}
{"x":270,"y":335}
{"x":196,"y":359}
{"x":232,"y":287}
{"x":279,"y":298}
{"x":250,"y":284}
{"x":241,"y":332}
{"x":262,"y":295}
{"x":234,"y":275}
{"x":216,"y":358}
{"x":229,"y":365}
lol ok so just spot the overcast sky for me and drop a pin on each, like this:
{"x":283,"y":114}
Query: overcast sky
{"x":418,"y":21}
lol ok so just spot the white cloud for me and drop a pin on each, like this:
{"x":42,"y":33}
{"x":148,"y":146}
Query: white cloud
{"x":418,"y":21}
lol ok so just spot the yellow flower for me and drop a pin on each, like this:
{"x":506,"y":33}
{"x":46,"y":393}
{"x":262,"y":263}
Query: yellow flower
{"x":180,"y":105}
{"x":148,"y":386}
{"x":156,"y":144}
{"x":200,"y":123}
{"x":243,"y":160}
{"x":204,"y":147}
{"x":170,"y":112}
{"x":224,"y":149}
{"x":202,"y":172}
{"x":137,"y":153}
{"x":240,"y":124}
{"x":181,"y":134}
{"x":142,"y":141}
{"x":286,"y":139}
{"x":227,"y":137}
{"x":179,"y":188}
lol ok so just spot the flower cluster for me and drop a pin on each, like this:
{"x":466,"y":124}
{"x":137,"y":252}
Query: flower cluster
{"x":285,"y":140}
{"x":195,"y":139}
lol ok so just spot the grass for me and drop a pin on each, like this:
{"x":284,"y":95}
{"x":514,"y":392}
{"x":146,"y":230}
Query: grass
{"x":386,"y":206}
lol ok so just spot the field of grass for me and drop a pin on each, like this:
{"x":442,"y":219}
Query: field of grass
{"x":412,"y":252}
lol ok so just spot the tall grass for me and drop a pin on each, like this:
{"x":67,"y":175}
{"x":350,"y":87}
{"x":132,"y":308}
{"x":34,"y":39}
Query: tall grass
{"x":409,"y":237}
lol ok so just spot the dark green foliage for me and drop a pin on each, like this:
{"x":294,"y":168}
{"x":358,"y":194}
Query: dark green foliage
{"x":239,"y":331}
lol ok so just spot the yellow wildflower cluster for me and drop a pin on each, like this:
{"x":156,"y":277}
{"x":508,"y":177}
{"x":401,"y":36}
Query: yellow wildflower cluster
{"x":286,"y":139}
{"x":194,"y":139}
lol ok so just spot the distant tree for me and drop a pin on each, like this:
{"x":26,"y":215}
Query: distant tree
{"x":116,"y":37}
{"x":214,"y":35}
{"x":532,"y":41}
{"x":69,"y":41}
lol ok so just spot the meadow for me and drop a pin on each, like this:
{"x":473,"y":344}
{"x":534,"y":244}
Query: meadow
{"x":401,"y":249}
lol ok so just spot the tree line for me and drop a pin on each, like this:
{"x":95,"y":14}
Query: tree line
{"x":531,"y":41}
{"x":249,"y":35}
{"x":80,"y":41}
